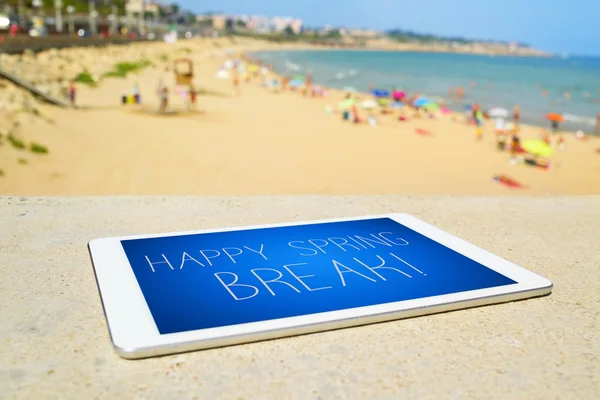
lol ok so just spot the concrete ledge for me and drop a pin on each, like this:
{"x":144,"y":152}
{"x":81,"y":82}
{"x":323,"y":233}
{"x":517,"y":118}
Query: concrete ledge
{"x":55,"y":342}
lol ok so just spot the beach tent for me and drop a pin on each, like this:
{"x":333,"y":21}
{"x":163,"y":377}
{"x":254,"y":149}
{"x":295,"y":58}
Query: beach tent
{"x":498,"y":112}
{"x":537,"y":147}
{"x":380,"y":93}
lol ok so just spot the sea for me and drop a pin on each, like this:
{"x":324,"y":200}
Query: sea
{"x":538,"y":85}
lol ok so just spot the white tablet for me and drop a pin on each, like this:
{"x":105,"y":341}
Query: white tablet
{"x":176,"y":292}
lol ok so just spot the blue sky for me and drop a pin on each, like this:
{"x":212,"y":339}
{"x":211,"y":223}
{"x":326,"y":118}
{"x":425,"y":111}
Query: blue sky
{"x":571,"y":26}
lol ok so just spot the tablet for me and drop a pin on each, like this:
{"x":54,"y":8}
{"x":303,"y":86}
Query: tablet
{"x":176,"y":292}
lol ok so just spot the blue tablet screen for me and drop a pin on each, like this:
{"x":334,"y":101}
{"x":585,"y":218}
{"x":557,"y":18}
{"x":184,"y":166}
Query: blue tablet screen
{"x":216,"y":279}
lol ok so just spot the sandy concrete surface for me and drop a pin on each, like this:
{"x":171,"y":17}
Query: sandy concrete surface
{"x":55,"y":342}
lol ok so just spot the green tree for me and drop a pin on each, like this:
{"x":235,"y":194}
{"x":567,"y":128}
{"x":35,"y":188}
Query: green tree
{"x":289,"y":31}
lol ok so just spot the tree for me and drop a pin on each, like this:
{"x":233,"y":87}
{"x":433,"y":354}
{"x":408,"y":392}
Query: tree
{"x":289,"y":31}
{"x":175,"y":8}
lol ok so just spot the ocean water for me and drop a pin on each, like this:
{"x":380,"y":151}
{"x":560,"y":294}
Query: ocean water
{"x":572,"y":83}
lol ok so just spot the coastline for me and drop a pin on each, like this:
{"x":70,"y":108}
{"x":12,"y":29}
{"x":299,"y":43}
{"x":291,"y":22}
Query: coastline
{"x":573,"y":123}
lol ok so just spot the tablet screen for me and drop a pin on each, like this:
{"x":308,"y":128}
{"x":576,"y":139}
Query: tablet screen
{"x":210,"y":280}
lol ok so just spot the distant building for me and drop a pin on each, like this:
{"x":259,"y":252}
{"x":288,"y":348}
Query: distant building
{"x":219,"y":22}
{"x":279,"y":24}
{"x":259,"y":24}
{"x":148,"y":7}
{"x":363,"y":33}
{"x":297,"y":26}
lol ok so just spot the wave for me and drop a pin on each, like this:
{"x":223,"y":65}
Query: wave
{"x":581,"y":120}
{"x":291,"y":66}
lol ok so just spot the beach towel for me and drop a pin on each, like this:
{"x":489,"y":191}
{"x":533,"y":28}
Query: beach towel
{"x":506,"y":181}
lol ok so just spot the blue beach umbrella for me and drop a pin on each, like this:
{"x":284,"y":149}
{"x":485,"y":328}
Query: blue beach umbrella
{"x":380,"y":93}
{"x":296,"y":83}
{"x":421,"y":102}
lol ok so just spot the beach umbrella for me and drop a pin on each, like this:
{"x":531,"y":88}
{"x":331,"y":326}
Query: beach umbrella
{"x":498,"y":112}
{"x":349,"y":89}
{"x":421,"y":102}
{"x":555,"y":117}
{"x":431,"y":107}
{"x":369,"y":104}
{"x":346,"y":104}
{"x":537,"y":147}
{"x":383,"y":102}
{"x":380,"y":93}
{"x":398,"y":94}
{"x":298,"y":77}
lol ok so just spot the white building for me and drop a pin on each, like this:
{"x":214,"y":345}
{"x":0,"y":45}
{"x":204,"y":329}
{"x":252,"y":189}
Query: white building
{"x":148,"y":6}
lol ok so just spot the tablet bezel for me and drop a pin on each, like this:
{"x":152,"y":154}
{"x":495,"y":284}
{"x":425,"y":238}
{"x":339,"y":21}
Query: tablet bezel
{"x":134,"y":333}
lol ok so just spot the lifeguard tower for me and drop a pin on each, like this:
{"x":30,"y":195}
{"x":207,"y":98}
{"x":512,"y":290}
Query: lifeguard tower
{"x":184,"y":79}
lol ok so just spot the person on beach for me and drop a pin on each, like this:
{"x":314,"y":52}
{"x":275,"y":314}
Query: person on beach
{"x":193,"y":96}
{"x":164,"y":99}
{"x":308,"y":86}
{"x":236,"y":82}
{"x":72,"y":92}
{"x":597,"y":129}
{"x":516,"y":117}
{"x":285,"y":81}
{"x":554,"y":126}
{"x":355,"y":117}
{"x":478,"y":117}
{"x":136,"y":93}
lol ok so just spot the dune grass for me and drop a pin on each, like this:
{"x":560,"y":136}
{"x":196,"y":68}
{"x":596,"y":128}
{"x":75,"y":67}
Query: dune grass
{"x":122,"y":69}
{"x":16,"y":143}
{"x":22,"y":161}
{"x":86,"y":78}
{"x":38,"y":148}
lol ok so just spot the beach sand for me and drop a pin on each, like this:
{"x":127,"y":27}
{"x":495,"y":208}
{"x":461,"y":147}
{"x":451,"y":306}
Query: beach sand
{"x":266,"y":143}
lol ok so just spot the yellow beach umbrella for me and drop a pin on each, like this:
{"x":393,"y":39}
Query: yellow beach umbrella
{"x":537,"y":148}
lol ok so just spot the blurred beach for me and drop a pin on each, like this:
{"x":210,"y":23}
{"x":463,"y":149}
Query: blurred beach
{"x":539,"y":85}
{"x":266,"y":141}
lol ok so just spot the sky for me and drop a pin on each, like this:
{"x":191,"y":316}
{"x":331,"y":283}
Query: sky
{"x":560,"y":26}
